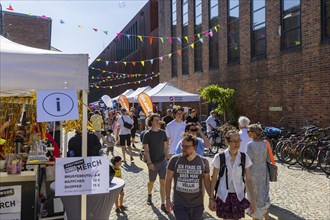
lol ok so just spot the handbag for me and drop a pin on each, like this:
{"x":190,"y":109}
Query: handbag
{"x":272,"y":168}
{"x":127,"y":125}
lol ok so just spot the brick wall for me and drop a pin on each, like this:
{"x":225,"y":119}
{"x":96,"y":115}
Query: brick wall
{"x":296,"y":80}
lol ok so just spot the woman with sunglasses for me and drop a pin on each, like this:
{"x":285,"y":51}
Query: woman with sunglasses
{"x":229,"y":201}
{"x":257,"y":151}
{"x":203,"y":142}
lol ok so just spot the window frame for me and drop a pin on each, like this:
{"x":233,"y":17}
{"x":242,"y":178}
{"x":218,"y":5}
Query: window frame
{"x":185,"y":52}
{"x":290,"y":30}
{"x":174,"y":60}
{"x":229,"y":61}
{"x":262,"y":55}
{"x":325,"y":19}
{"x":198,"y":63}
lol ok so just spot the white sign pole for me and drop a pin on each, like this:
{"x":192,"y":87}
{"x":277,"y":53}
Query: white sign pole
{"x":84,"y":148}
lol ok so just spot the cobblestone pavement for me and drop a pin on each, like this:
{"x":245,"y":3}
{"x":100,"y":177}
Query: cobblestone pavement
{"x":298,"y":194}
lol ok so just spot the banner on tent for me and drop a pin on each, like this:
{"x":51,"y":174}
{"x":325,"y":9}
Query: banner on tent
{"x":124,"y":102}
{"x":146,"y":103}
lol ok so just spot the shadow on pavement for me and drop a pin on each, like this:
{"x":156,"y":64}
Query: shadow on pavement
{"x":276,"y":212}
{"x":207,"y":216}
{"x":160,"y":215}
{"x":122,"y":216}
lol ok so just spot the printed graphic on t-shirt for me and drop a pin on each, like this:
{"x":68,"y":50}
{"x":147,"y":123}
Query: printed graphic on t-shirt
{"x":188,"y":178}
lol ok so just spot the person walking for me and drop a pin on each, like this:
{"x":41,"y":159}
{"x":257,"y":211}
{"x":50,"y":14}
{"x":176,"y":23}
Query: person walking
{"x":257,"y":151}
{"x":135,"y":126}
{"x":243,"y":123}
{"x":155,"y":146}
{"x":188,"y":170}
{"x":211,"y":124}
{"x":168,"y":117}
{"x":116,"y":166}
{"x":229,"y":201}
{"x":192,"y":117}
{"x":203,"y":141}
{"x":97,"y":123}
{"x":175,"y":129}
{"x":109,"y":141}
{"x":125,"y":134}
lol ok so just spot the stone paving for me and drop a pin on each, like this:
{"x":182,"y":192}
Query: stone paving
{"x":298,"y":194}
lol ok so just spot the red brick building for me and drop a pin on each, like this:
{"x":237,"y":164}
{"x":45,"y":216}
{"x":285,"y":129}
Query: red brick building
{"x":128,"y":49}
{"x":28,"y":30}
{"x":274,"y":54}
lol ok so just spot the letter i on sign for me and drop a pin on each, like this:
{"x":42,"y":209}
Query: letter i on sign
{"x":58,"y":104}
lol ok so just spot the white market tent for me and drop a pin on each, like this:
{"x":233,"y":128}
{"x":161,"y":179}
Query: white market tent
{"x":132,"y":98}
{"x":166,"y":92}
{"x":126,"y":93}
{"x":24,"y":69}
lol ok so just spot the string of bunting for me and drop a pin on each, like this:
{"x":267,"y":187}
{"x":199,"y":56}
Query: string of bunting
{"x":161,"y":58}
{"x":94,"y":85}
{"x":115,"y":74}
{"x":109,"y":79}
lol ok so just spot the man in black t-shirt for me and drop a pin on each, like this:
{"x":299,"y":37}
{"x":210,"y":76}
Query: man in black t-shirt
{"x":75,"y":145}
{"x":155,"y":146}
{"x":169,"y":116}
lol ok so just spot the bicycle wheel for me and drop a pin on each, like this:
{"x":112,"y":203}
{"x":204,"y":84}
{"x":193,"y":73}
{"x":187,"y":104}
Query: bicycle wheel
{"x":285,"y":153}
{"x":324,"y":160}
{"x":309,"y":156}
{"x":214,"y":146}
{"x":278,"y":148}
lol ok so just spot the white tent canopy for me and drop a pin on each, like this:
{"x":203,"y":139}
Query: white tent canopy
{"x":166,"y":92}
{"x":126,"y":93}
{"x":24,"y":69}
{"x":132,"y":98}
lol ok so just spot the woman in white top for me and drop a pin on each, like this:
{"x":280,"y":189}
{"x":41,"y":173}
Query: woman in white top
{"x":229,"y":201}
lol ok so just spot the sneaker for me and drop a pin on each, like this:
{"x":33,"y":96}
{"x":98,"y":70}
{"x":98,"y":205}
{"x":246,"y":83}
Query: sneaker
{"x":132,"y":159}
{"x":149,"y":201}
{"x":123,"y":208}
{"x":163,"y":208}
{"x":117,"y":210}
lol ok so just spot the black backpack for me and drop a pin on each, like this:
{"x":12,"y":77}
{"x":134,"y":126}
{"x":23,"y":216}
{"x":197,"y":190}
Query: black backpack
{"x":127,"y":125}
{"x":223,"y":168}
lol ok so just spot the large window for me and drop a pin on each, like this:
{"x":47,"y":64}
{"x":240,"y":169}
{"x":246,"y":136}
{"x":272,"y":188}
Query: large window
{"x":233,"y":31}
{"x":258,"y":25}
{"x":325,"y":19}
{"x":214,"y":41}
{"x":185,"y":44}
{"x":198,"y":51}
{"x":174,"y":60}
{"x":125,"y":46}
{"x":291,"y":23}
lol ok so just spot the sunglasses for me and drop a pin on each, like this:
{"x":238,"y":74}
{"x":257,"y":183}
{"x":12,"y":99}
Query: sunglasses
{"x":193,"y":129}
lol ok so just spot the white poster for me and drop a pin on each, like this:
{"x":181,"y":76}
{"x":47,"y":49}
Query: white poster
{"x":78,"y":175}
{"x":57,"y":105}
{"x":107,"y":100}
{"x":10,"y":202}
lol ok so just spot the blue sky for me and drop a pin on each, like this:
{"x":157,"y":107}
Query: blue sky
{"x":109,"y":15}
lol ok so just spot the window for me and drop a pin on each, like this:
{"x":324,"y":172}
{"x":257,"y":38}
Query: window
{"x":174,"y":47}
{"x":233,"y":31}
{"x":214,"y":41}
{"x":325,"y":19}
{"x":258,"y":26}
{"x":185,"y":44}
{"x":198,"y":51}
{"x":291,"y":23}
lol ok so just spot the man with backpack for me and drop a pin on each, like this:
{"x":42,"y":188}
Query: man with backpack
{"x":188,"y":170}
{"x":125,"y":125}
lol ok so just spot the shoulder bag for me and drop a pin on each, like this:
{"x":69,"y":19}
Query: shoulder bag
{"x":272,"y":168}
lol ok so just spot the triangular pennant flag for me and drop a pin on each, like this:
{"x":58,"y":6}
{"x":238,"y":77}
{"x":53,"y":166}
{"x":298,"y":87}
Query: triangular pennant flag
{"x":186,"y":37}
{"x":133,"y":63}
{"x":80,"y":26}
{"x":30,"y":14}
{"x":43,"y":16}
{"x":98,"y":59}
{"x":201,"y":40}
{"x":142,"y":62}
{"x":150,"y":40}
{"x":95,"y":29}
{"x":170,"y":39}
{"x":180,"y":52}
{"x":199,"y":36}
{"x":152,"y":61}
{"x":62,"y":22}
{"x":124,"y":64}
{"x":211,"y":33}
{"x":206,"y":33}
{"x":106,"y":62}
{"x":169,"y":56}
{"x":179,"y":39}
{"x":192,"y":46}
{"x":106,"y":32}
{"x":140,"y":37}
{"x":193,"y":37}
{"x":215,"y":28}
{"x":118,"y":36}
{"x":128,"y":36}
{"x":162,"y":39}
{"x":161,"y":58}
{"x":10,"y":8}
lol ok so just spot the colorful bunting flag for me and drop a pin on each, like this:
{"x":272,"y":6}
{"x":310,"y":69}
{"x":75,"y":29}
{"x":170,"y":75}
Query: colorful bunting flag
{"x":142,"y":62}
{"x":106,"y":32}
{"x":186,"y":37}
{"x":10,"y":8}
{"x":94,"y":29}
{"x":170,"y":39}
{"x":118,"y":36}
{"x":180,"y":52}
{"x":140,"y":37}
{"x":62,"y":22}
{"x":192,"y":46}
{"x":162,"y":39}
{"x":150,"y":40}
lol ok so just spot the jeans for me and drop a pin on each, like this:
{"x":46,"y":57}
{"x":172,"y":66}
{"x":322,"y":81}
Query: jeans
{"x":185,"y":213}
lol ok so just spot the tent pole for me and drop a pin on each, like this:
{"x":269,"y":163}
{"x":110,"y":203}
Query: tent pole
{"x":84,"y":147}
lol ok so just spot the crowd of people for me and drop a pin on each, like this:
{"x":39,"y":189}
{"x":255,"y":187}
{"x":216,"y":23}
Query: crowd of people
{"x":174,"y":147}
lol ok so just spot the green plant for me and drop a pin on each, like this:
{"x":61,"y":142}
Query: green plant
{"x":220,"y":96}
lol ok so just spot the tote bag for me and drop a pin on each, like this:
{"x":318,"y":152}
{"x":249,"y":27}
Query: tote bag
{"x":272,"y":168}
